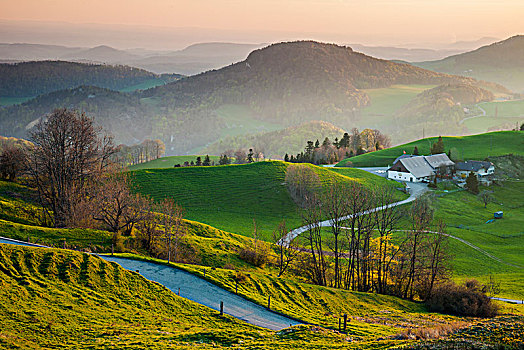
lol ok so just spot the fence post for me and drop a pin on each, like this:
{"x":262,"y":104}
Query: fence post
{"x":112,"y":248}
{"x":204,"y":273}
{"x":339,"y":329}
{"x":345,"y":321}
{"x":236,"y":286}
{"x":269,"y":302}
{"x":221,"y":308}
{"x":178,"y":291}
{"x":64,"y":243}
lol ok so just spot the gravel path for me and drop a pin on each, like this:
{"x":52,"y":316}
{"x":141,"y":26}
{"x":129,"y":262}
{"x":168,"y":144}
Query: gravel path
{"x":197,"y":290}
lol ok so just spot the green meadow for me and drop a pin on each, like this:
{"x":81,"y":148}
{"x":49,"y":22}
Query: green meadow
{"x":384,"y":102}
{"x":235,"y":197}
{"x":474,"y":147}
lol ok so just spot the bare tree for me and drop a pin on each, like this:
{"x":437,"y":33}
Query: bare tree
{"x":172,"y":216}
{"x":13,"y":162}
{"x":485,"y":197}
{"x":68,"y":154}
{"x":311,"y":217}
{"x":287,"y":251}
{"x":302,"y":182}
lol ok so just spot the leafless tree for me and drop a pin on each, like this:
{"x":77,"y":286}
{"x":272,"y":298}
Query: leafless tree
{"x":287,"y":252}
{"x":172,"y":216}
{"x":13,"y":162}
{"x":311,"y":217}
{"x":302,"y":182}
{"x":68,"y":155}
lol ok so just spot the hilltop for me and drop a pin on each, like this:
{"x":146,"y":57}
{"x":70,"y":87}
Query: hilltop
{"x":474,"y":147}
{"x":275,"y":144}
{"x":283,"y":84}
{"x":500,"y":62}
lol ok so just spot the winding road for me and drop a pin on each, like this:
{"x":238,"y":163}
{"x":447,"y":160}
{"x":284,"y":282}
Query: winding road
{"x":417,"y":189}
{"x":197,"y":290}
{"x":483,"y":114}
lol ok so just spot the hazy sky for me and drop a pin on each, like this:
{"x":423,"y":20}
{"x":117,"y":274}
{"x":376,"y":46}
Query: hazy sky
{"x":371,"y":21}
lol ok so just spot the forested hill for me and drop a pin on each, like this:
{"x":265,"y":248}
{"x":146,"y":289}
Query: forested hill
{"x":296,"y":81}
{"x":439,"y":110}
{"x":36,"y":78}
{"x":501,"y":62}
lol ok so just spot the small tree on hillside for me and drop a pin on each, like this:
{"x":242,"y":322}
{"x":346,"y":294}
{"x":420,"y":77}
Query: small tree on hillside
{"x":250,"y":156}
{"x":207,"y":161}
{"x":438,"y":147}
{"x":415,"y":151}
{"x":486,"y":197}
{"x":286,"y":158}
{"x":198,"y":161}
{"x":472,"y":183}
{"x":13,"y":162}
{"x":240,"y":157}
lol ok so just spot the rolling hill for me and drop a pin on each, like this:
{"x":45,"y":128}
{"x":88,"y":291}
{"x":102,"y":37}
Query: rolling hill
{"x":500,"y":62}
{"x":231,"y":197}
{"x":41,"y":77}
{"x":474,"y":147}
{"x":439,"y":111}
{"x":275,"y":144}
{"x":283,"y":84}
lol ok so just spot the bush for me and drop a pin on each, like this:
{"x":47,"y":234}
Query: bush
{"x":256,"y":257}
{"x":462,"y":300}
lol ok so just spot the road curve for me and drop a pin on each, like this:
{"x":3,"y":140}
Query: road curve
{"x":197,"y":290}
{"x":417,"y":191}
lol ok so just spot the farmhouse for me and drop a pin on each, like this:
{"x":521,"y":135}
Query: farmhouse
{"x":419,"y":168}
{"x":480,"y":168}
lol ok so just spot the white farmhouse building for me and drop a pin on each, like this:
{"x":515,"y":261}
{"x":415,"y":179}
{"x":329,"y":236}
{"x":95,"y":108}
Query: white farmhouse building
{"x":419,"y":168}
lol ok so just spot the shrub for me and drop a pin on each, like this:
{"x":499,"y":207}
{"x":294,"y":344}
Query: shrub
{"x":462,"y":300}
{"x":256,"y":257}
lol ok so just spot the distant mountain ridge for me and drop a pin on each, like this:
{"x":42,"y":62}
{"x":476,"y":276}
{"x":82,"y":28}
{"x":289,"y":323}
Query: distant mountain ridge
{"x":501,"y":62}
{"x":285,"y":84}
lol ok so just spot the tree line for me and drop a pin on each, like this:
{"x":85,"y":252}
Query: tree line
{"x":349,"y":145}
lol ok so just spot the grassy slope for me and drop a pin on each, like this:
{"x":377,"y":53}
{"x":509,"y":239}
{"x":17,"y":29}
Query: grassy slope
{"x":476,"y":147}
{"x":466,"y":218}
{"x":56,"y":298}
{"x":230,"y":197}
{"x":170,"y":162}
{"x":384,"y":102}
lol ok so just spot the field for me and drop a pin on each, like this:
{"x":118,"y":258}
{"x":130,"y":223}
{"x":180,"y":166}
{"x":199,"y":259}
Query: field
{"x":474,"y":147}
{"x":232,"y":197}
{"x":240,"y":120}
{"x":385,"y":102}
{"x":170,"y":162}
{"x":466,"y":218}
{"x":498,"y":114}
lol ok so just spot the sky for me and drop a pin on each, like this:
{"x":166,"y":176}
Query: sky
{"x":378,"y":22}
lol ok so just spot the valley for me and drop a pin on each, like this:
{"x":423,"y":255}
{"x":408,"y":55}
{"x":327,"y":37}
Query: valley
{"x":242,"y":195}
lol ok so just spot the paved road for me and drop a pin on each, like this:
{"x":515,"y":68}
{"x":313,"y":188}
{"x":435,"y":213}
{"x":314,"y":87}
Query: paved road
{"x":417,"y":189}
{"x":483,"y":114}
{"x":198,"y":290}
